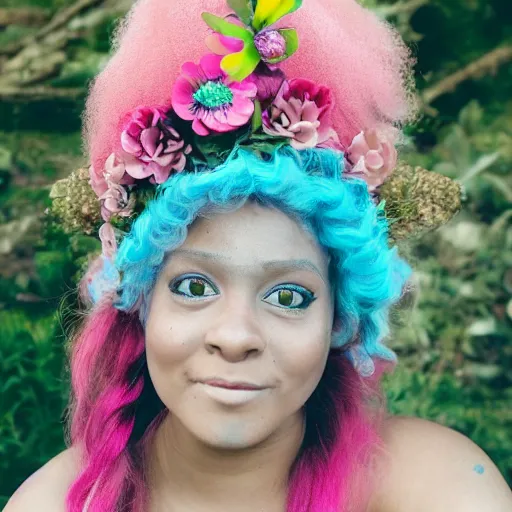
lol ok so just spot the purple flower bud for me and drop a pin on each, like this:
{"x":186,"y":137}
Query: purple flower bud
{"x":270,"y":44}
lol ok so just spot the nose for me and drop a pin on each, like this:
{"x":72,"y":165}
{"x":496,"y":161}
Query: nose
{"x":236,"y":334}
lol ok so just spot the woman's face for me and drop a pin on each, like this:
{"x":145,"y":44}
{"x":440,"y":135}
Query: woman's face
{"x":239,"y":326}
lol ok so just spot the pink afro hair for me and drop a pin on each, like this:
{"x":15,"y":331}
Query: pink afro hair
{"x":342,"y":45}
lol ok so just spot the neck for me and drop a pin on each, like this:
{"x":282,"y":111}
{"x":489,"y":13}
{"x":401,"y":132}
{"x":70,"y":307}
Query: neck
{"x":186,"y":474}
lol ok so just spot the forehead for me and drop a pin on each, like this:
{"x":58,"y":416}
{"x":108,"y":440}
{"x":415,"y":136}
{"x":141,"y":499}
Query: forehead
{"x":254,"y":234}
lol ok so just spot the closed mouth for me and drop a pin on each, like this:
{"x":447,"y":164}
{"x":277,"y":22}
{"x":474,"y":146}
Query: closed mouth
{"x":239,"y":385}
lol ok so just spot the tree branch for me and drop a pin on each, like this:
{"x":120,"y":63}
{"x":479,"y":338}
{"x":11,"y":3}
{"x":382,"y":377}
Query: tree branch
{"x":488,"y":64}
{"x":40,"y":92}
{"x":58,"y":21}
{"x":28,"y":16}
{"x":388,"y":11}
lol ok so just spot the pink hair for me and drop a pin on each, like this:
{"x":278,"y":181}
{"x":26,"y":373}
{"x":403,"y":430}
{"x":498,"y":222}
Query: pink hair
{"x":105,"y":386}
{"x":342,"y":45}
{"x":336,"y":469}
{"x":332,"y":472}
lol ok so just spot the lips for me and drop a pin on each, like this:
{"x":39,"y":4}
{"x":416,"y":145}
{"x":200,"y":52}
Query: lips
{"x":240,"y":385}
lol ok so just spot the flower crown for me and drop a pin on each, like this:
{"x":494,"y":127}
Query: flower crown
{"x":237,"y":96}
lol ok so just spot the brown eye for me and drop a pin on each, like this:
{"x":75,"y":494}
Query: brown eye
{"x":193,"y":287}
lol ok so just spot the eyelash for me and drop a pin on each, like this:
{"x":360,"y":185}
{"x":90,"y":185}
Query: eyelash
{"x":307,"y":296}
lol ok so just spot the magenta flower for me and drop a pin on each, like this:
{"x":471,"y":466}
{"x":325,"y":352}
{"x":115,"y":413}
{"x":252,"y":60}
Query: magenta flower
{"x":153,"y":149}
{"x":372,"y":156}
{"x":301,"y":112}
{"x":205,"y":95}
{"x":223,"y":45}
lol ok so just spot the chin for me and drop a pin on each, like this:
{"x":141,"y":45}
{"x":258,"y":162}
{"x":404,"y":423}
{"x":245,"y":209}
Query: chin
{"x":234,"y":421}
{"x":231,"y":433}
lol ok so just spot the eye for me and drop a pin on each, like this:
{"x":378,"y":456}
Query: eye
{"x":290,"y":297}
{"x":195,"y":287}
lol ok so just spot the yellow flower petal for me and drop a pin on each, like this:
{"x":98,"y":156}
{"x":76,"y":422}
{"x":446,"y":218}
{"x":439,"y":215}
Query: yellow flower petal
{"x":269,"y":11}
{"x":240,"y":65}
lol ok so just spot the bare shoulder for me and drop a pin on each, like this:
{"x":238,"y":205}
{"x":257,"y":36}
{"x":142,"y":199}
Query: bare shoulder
{"x":432,"y":468}
{"x":46,"y":489}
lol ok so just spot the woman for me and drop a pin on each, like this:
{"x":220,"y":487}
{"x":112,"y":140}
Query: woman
{"x":232,"y":356}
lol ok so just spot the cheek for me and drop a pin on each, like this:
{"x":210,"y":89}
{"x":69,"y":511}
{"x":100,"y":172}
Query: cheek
{"x":171,"y":340}
{"x":301,"y":353}
{"x":170,"y":345}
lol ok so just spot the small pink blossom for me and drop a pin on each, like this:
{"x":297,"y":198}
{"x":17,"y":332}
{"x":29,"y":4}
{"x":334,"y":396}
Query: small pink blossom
{"x":114,"y":170}
{"x":116,"y":200}
{"x":97,"y":181}
{"x":270,"y":44}
{"x":371,"y":156}
{"x":301,"y":111}
{"x":108,"y":240}
{"x":223,"y":45}
{"x":153,"y":149}
{"x":205,"y":95}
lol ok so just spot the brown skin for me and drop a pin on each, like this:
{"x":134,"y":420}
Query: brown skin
{"x":238,"y":454}
{"x":213,"y":455}
{"x":431,"y":471}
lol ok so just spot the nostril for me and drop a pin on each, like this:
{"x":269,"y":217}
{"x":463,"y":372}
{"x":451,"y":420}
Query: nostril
{"x":212,"y":348}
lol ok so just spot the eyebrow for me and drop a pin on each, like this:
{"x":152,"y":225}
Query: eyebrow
{"x":283,"y":265}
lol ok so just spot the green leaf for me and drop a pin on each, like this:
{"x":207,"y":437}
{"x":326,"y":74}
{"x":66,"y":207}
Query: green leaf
{"x":243,"y":9}
{"x":241,"y":64}
{"x":267,"y":12}
{"x":268,"y":147}
{"x":263,"y":143}
{"x":292,"y":44}
{"x":215,"y":149}
{"x":225,"y":28}
{"x":256,"y":117}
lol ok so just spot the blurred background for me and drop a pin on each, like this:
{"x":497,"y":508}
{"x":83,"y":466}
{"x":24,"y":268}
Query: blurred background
{"x":455,"y":347}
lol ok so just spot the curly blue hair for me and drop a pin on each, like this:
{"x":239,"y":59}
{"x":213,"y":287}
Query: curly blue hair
{"x":366,"y":274}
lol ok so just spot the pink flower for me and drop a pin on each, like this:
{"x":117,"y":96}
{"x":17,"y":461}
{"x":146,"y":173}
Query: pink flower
{"x":153,"y":148}
{"x":114,"y":170}
{"x":116,"y":200}
{"x":301,"y":112}
{"x":206,"y":96}
{"x":270,"y":45}
{"x":108,"y":240}
{"x":372,"y":156}
{"x":97,"y":181}
{"x":223,"y":45}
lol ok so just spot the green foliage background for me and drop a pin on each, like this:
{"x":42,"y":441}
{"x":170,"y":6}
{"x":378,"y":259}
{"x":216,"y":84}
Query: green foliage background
{"x":454,"y":347}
